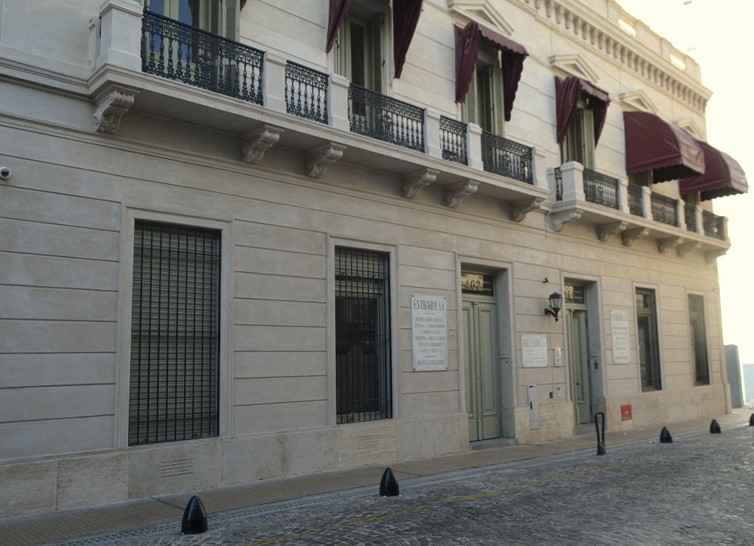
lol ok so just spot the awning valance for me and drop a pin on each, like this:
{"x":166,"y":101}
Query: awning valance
{"x":468,"y":42}
{"x":567,"y":94}
{"x":406,"y":15}
{"x":722,"y":176}
{"x":655,"y":145}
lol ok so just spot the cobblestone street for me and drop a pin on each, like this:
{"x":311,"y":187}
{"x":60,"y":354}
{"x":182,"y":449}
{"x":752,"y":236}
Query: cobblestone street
{"x":697,"y":490}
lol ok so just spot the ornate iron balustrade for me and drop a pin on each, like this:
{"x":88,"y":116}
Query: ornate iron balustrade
{"x":306,"y":92}
{"x":689,"y":214}
{"x":558,"y":183}
{"x":713,"y":225}
{"x":507,"y":158}
{"x":635,"y":200}
{"x":601,"y":189}
{"x":453,"y":140}
{"x":664,"y":209}
{"x":180,"y":52}
{"x":385,"y":118}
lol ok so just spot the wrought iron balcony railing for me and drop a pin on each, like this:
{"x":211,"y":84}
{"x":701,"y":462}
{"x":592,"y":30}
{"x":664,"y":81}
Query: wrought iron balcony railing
{"x":507,"y":158}
{"x":173,"y":50}
{"x":601,"y":189}
{"x":714,"y":225}
{"x":385,"y":118}
{"x":558,"y":183}
{"x":635,"y":200}
{"x":306,"y":92}
{"x":664,"y":209}
{"x":689,"y":214}
{"x":453,"y":140}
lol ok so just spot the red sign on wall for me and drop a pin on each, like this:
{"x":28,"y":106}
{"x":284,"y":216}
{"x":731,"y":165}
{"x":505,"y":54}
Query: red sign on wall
{"x":625,"y":413}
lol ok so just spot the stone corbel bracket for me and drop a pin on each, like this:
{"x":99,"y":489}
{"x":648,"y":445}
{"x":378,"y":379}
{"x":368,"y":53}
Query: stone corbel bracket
{"x":110,"y":108}
{"x":671,"y":242}
{"x":712,"y":255}
{"x":458,"y":192}
{"x":415,"y":182}
{"x":520,"y":209}
{"x":604,"y":231}
{"x":630,"y":235}
{"x":256,"y":143}
{"x":558,"y":220}
{"x":687,"y":247}
{"x":319,"y":159}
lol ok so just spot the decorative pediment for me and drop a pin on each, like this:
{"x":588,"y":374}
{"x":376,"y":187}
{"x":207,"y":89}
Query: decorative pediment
{"x":640,"y":101}
{"x":691,"y":127}
{"x":482,"y":12}
{"x":575,"y":65}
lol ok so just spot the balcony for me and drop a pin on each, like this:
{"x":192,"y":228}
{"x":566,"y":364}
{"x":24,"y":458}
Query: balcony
{"x":633,"y":212}
{"x":384,"y":118}
{"x":506,"y":158}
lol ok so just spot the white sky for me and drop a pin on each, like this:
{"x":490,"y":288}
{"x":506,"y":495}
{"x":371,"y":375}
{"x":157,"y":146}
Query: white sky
{"x":719,"y":35}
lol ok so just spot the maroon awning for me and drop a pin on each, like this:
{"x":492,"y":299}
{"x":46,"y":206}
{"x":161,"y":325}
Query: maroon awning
{"x":243,"y":3}
{"x":336,"y":16}
{"x":405,"y":18}
{"x":468,"y":41}
{"x":722,"y":176}
{"x":567,"y":94}
{"x":654,"y":145}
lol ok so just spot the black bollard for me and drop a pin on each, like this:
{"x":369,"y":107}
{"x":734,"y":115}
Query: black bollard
{"x":389,"y":485}
{"x":194,"y":520}
{"x":600,"y":440}
{"x":751,"y":420}
{"x":714,"y":427}
{"x":665,"y":437}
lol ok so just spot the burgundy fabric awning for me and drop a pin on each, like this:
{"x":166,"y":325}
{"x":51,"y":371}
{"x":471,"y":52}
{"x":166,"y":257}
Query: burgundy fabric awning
{"x":243,"y":3}
{"x":336,"y":16}
{"x":405,"y":18}
{"x":722,"y":176}
{"x":567,"y":94}
{"x":468,"y":41}
{"x":654,"y":145}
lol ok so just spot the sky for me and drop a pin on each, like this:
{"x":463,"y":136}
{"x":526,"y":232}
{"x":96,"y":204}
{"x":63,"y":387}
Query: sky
{"x":718,"y":35}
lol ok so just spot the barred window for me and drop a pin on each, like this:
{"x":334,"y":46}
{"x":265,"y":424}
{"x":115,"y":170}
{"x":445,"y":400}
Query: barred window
{"x":175,"y":328}
{"x":649,"y":345}
{"x":362,"y":332}
{"x":698,"y":340}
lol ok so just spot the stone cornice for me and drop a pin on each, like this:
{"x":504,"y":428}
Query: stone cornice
{"x":579,"y":21}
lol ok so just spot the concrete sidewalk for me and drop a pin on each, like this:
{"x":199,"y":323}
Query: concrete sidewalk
{"x":59,"y":526}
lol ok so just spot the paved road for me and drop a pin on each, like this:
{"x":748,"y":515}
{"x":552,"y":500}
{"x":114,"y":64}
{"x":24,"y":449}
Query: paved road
{"x":697,"y":490}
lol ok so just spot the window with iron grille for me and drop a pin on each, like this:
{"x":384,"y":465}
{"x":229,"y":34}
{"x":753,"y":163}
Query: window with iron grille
{"x":363,"y":374}
{"x":175,"y":328}
{"x":698,"y":340}
{"x":649,"y":345}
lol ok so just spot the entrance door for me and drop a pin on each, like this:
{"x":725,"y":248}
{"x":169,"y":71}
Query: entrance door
{"x":482,"y":372}
{"x":578,"y":353}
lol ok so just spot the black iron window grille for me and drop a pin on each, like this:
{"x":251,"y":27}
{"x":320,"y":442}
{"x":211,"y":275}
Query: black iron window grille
{"x":385,"y":118}
{"x":362,"y":336}
{"x":306,"y":92}
{"x":713,"y":225}
{"x":664,"y":209}
{"x":635,"y":200}
{"x":558,"y":183}
{"x":453,"y":140}
{"x":601,"y":189}
{"x":176,"y":51}
{"x":698,"y":344}
{"x":507,"y":158}
{"x":649,"y":345}
{"x":689,"y":214}
{"x":175,"y":328}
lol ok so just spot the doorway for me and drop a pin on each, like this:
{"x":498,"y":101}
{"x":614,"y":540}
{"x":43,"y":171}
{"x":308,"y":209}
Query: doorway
{"x":577,"y":330}
{"x":481,"y":362}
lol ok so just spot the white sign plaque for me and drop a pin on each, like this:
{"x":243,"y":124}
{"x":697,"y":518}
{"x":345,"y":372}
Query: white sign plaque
{"x":534,"y":350}
{"x":619,"y":329}
{"x":429,"y":332}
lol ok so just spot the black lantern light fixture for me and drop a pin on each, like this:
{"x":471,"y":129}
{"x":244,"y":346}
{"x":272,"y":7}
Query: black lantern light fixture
{"x":556,"y":303}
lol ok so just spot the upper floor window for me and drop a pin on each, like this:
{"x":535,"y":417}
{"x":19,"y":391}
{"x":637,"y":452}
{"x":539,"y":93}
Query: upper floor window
{"x":579,"y":143}
{"x":581,"y":110}
{"x":360,"y":45}
{"x":216,"y":16}
{"x":484,"y":102}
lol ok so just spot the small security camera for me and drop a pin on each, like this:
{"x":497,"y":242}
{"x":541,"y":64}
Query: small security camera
{"x":5,"y":173}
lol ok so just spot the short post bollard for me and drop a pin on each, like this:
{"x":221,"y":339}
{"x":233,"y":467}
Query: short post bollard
{"x":599,"y":419}
{"x":389,"y":485}
{"x":665,"y":437}
{"x":751,"y":420}
{"x":194,"y":520}
{"x":714,"y":427}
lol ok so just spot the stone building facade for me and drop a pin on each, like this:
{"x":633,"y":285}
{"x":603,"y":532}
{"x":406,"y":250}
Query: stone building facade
{"x":242,"y":241}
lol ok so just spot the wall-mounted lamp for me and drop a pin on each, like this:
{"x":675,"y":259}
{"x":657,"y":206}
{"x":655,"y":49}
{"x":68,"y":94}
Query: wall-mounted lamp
{"x":556,"y":303}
